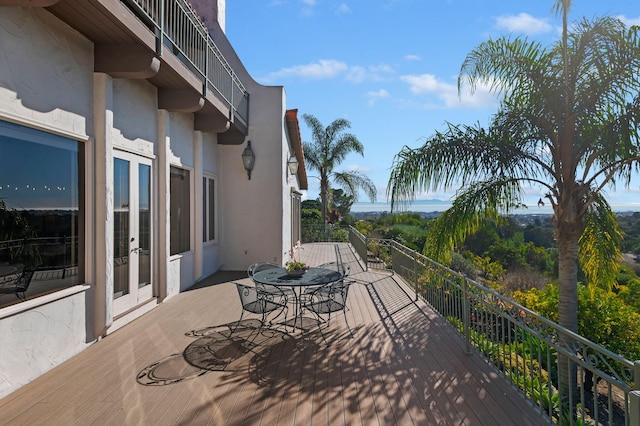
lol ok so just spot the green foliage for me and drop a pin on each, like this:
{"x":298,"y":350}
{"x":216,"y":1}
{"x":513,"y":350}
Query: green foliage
{"x":341,"y":201}
{"x":463,"y":265}
{"x":630,"y":225}
{"x":540,"y":236}
{"x":630,"y":293}
{"x":409,"y":229}
{"x":312,"y":205}
{"x":603,"y":317}
{"x":311,"y":216}
{"x":599,"y":250}
{"x":607,"y":320}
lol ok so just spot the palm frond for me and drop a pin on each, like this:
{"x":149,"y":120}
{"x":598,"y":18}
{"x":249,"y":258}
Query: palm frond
{"x":472,"y":206}
{"x":599,"y":251}
{"x":352,"y":181}
{"x":462,"y":155}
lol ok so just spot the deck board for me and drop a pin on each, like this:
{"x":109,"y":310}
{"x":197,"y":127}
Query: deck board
{"x":400,"y":364}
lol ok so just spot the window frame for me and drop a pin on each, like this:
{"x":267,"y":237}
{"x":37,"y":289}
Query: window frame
{"x":186,"y":196}
{"x":209,"y":207}
{"x":75,"y":271}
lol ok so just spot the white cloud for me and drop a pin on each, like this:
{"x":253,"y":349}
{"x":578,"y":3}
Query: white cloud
{"x":308,"y":9}
{"x":343,"y":9}
{"x":412,"y":58}
{"x":629,"y":21}
{"x":323,"y":69}
{"x":358,"y":74}
{"x":523,"y":23}
{"x":447,"y":93}
{"x":331,"y":68}
{"x":378,"y":94}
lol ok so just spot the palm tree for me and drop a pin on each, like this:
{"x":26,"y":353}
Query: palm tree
{"x":329,"y":148}
{"x":568,"y":124}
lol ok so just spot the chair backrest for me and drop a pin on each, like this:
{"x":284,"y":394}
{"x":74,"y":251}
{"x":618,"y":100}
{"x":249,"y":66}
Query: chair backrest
{"x":342,"y":268}
{"x":331,"y":297}
{"x":260,"y":266}
{"x":255,"y":300}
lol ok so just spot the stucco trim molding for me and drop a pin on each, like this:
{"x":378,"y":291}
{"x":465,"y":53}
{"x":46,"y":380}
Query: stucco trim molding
{"x":130,"y":61}
{"x":180,"y":100}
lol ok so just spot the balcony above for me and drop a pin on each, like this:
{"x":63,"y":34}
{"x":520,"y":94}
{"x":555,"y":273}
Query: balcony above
{"x":164,"y":42}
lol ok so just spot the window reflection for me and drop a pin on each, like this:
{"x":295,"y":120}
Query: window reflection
{"x":41,"y":213}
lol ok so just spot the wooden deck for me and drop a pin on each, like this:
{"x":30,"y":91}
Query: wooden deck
{"x":178,"y":365}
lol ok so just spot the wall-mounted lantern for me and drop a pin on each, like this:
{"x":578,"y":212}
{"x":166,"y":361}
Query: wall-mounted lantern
{"x":292,"y":165}
{"x":248,"y":159}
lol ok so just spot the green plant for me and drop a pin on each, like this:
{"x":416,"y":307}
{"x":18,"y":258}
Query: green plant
{"x":295,"y":264}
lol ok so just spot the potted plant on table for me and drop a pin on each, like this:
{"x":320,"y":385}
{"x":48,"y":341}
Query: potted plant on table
{"x":294,"y":266}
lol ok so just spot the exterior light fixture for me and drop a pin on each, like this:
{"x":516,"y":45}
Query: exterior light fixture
{"x":248,"y":159}
{"x":292,"y":164}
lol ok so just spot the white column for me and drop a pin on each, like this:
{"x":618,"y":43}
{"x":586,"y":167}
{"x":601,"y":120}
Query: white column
{"x":103,"y":199}
{"x":163,"y":250}
{"x":197,"y":216}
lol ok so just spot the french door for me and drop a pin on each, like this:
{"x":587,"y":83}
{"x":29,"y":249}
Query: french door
{"x":132,"y":231}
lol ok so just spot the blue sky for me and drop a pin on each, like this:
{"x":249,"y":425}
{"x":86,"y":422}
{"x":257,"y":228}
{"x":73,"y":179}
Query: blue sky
{"x":390,"y":67}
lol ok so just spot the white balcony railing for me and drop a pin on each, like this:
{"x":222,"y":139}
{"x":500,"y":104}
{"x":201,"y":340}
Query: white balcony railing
{"x":178,"y":27}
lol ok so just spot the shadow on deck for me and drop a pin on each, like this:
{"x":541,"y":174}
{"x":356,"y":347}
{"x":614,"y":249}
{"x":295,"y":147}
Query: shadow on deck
{"x":180,"y":364}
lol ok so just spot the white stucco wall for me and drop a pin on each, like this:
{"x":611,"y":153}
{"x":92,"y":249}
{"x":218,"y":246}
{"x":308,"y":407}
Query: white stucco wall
{"x":42,"y":62}
{"x":181,"y":153}
{"x":211,"y":249}
{"x":46,"y":82}
{"x":257,"y":213}
{"x":135,"y":126}
{"x":36,"y":340}
{"x":253,"y":209}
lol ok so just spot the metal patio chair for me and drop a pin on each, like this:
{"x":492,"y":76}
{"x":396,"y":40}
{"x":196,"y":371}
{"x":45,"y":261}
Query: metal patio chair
{"x":328,"y":299}
{"x":256,"y":301}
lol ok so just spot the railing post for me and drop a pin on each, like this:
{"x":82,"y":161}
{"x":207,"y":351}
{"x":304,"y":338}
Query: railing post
{"x":415,"y":272}
{"x":160,"y":29}
{"x":636,"y":376}
{"x":634,"y":407}
{"x":465,"y":316}
{"x":366,"y":254}
{"x":205,"y":84}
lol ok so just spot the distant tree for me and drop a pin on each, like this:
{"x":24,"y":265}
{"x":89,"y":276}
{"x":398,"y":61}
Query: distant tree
{"x":341,"y":201}
{"x":330,"y":146}
{"x":312,"y":204}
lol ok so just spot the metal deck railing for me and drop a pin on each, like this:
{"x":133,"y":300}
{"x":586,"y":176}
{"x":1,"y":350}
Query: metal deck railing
{"x":522,"y":345}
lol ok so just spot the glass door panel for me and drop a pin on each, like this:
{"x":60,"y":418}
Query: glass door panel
{"x":133,"y":232}
{"x":121,"y":231}
{"x":144,"y":225}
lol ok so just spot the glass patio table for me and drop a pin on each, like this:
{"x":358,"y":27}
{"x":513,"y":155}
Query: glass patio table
{"x":312,"y":277}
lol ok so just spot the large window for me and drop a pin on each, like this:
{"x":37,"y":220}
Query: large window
{"x":208,"y":209}
{"x":180,"y":210}
{"x":41,"y":213}
{"x":296,"y":218}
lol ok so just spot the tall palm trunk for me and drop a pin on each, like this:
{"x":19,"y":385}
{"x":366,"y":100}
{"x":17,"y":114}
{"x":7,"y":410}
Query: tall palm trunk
{"x":324,"y":189}
{"x":569,"y":228}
